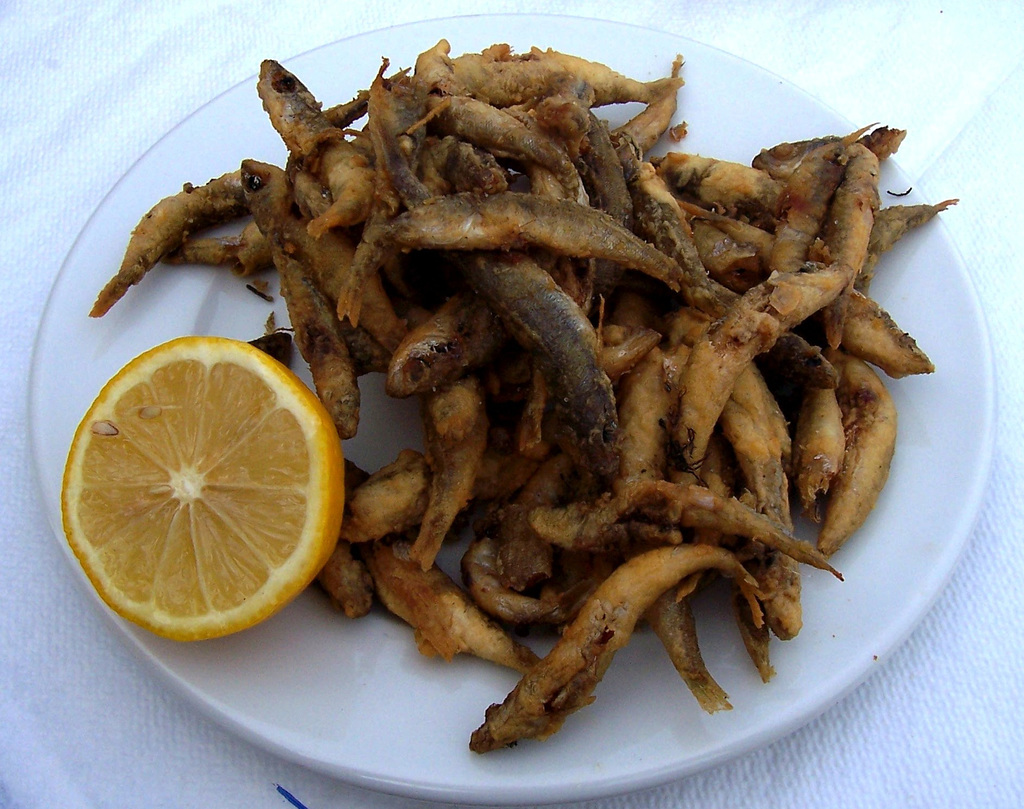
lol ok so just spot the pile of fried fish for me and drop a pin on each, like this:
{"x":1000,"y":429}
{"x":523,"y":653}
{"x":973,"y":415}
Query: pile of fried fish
{"x":626,"y":364}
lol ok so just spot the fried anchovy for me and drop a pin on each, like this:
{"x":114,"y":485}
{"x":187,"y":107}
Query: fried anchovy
{"x":673,"y":622}
{"x":870,"y":334}
{"x":455,"y":436}
{"x":722,"y":185}
{"x":395,"y":106}
{"x":782,"y":160}
{"x":293,"y":110}
{"x":390,"y":501}
{"x":849,"y":225}
{"x":601,"y":173}
{"x":778,"y":580}
{"x":657,"y":219}
{"x":610,"y":87}
{"x":544,"y":320}
{"x":245,"y":253}
{"x":647,"y":126}
{"x":270,"y":197}
{"x":852,"y":213}
{"x":504,"y":79}
{"x":325,"y":260}
{"x":344,"y":166}
{"x":818,"y":446}
{"x":754,"y":426}
{"x":596,"y":525}
{"x":446,"y":620}
{"x":869,"y":422}
{"x":322,"y":346}
{"x":462,"y":335}
{"x":804,"y":204}
{"x":503,"y":135}
{"x":167,"y":225}
{"x":347,"y":582}
{"x":515,"y":220}
{"x":892,"y":224}
{"x":497,"y":76}
{"x":565,"y":679}
{"x":643,"y":399}
{"x":550,"y":606}
{"x":317,"y":331}
{"x":751,"y":327}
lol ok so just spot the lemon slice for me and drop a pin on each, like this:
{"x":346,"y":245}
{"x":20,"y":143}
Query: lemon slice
{"x":203,"y":489}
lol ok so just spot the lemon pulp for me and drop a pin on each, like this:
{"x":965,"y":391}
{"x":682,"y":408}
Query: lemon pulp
{"x":203,"y":489}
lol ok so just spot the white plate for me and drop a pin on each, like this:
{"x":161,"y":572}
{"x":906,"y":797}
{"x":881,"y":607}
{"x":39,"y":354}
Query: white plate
{"x":354,"y":698}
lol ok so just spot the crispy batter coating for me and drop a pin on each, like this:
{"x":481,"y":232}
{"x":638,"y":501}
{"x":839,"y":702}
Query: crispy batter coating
{"x":721,"y":185}
{"x":603,"y":523}
{"x":659,"y":220}
{"x":754,"y":426}
{"x":551,"y":605}
{"x":505,"y":136}
{"x":343,"y":166}
{"x":474,"y":222}
{"x":246,"y":253}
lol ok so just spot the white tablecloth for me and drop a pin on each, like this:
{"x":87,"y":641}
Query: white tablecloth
{"x":88,"y":86}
